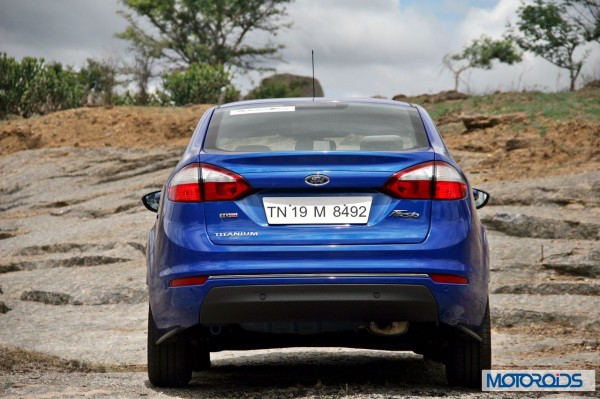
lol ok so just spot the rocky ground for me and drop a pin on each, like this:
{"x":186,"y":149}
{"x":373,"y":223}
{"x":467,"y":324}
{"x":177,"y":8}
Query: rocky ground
{"x":73,"y":297}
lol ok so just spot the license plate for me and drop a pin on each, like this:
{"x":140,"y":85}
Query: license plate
{"x":317,"y":210}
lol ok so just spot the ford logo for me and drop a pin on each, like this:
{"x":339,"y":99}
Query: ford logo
{"x":316,"y":180}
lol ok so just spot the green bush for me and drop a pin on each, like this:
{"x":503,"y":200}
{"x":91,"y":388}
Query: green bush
{"x":54,"y":88}
{"x":132,"y":99}
{"x":31,"y":87}
{"x":15,"y":81}
{"x":274,"y":88}
{"x":199,"y":84}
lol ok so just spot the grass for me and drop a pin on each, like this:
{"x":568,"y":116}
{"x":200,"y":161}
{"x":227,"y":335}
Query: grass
{"x":582,"y":105}
{"x":543,"y":110}
{"x":17,"y":360}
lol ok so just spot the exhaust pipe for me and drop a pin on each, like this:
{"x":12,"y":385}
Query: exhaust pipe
{"x":394,"y":328}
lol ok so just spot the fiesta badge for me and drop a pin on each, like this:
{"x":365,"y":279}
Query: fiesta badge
{"x":316,"y":180}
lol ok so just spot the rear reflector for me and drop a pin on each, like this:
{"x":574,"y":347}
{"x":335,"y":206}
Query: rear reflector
{"x":186,"y":281}
{"x":431,"y":180}
{"x":448,"y":279}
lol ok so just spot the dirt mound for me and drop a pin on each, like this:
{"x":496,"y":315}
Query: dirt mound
{"x":504,"y":136}
{"x":102,"y":127}
{"x":510,"y":151}
{"x":443,"y":96}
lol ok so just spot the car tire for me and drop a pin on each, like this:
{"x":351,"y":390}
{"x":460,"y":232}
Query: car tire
{"x":467,"y":357}
{"x":170,"y":363}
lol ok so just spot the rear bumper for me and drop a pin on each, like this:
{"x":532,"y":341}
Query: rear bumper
{"x":338,"y":298}
{"x":236,"y":271}
{"x":318,"y":302}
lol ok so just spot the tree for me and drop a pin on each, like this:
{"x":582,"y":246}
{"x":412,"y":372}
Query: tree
{"x":205,"y":31}
{"x":480,"y":54}
{"x":545,"y":29}
{"x":99,"y":79}
{"x":142,"y":68}
{"x":586,"y":14}
{"x":142,"y":71}
{"x":199,"y":84}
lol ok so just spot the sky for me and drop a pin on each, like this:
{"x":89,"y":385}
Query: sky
{"x":362,"y":47}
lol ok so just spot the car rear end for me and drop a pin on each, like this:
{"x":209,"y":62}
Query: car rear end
{"x":307,"y":223}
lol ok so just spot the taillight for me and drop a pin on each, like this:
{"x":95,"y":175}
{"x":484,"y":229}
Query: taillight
{"x":223,"y":185}
{"x":412,"y":183}
{"x":185,"y":185}
{"x":431,"y":180}
{"x":203,"y":182}
{"x":449,"y":184}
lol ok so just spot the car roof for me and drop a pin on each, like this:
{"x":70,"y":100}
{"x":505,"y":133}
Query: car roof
{"x":296,"y":100}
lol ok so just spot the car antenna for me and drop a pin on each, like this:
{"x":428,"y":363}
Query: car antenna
{"x":313,"y":72}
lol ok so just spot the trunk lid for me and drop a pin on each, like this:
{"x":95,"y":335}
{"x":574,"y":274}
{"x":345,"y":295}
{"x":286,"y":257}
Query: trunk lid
{"x":286,"y":210}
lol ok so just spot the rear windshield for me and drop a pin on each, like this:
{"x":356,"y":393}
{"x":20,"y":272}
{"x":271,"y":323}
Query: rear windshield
{"x":332,"y":126}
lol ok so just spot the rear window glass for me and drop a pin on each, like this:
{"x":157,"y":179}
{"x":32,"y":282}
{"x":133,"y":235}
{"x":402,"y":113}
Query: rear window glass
{"x":332,"y":126}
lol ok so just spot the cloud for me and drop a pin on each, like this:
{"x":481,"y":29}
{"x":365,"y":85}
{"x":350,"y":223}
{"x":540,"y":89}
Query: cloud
{"x":364,"y":48}
{"x":341,"y":34}
{"x":491,"y":22}
{"x":68,"y":31}
{"x":534,"y":73}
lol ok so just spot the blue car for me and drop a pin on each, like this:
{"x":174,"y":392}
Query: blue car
{"x":317,"y":222}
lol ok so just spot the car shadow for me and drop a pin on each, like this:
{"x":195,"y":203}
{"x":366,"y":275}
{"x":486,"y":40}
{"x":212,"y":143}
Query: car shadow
{"x":310,"y":372}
